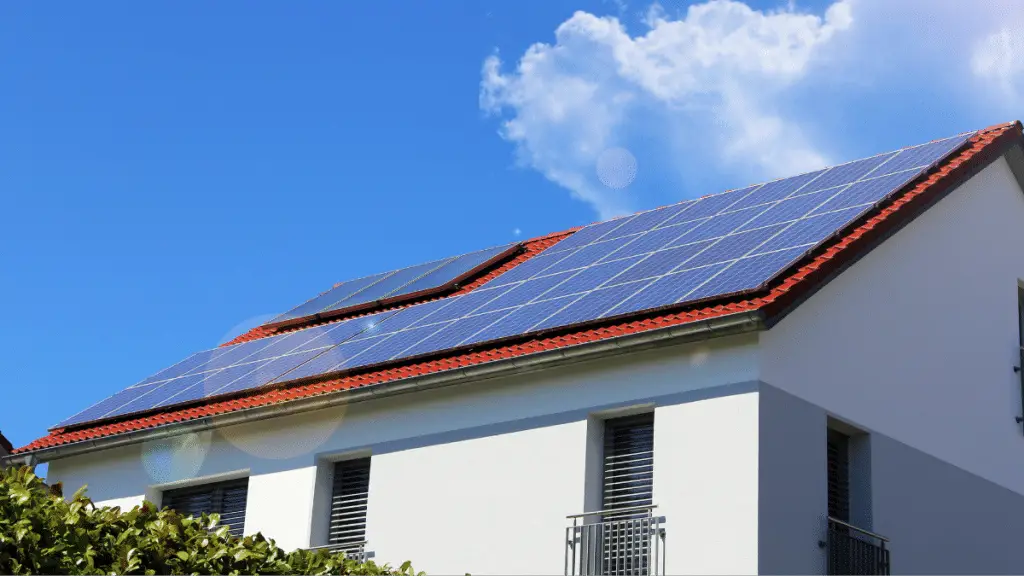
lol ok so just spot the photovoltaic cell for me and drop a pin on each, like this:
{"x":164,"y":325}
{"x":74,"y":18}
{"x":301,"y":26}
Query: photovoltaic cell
{"x":866,"y":192}
{"x":662,"y":262}
{"x":654,"y":240}
{"x":733,"y":246}
{"x":669,"y":289}
{"x":777,"y":190}
{"x":328,"y":299}
{"x":647,"y":220}
{"x":722,"y":224}
{"x":525,"y":292}
{"x":923,"y":156}
{"x":453,"y":333}
{"x":790,"y":209}
{"x":453,"y":269}
{"x":519,"y":320}
{"x":710,"y":206}
{"x":591,"y":305}
{"x":747,"y":273}
{"x":810,"y":230}
{"x":530,"y":268}
{"x":397,"y":283}
{"x":588,"y":234}
{"x":596,"y":275}
{"x":720,"y":245}
{"x":849,"y":173}
{"x":587,"y":255}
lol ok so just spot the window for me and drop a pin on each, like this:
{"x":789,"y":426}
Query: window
{"x":349,"y":494}
{"x":628,"y":464}
{"x":225,"y":498}
{"x":838,"y":476}
{"x":1020,"y":315}
{"x":628,"y":485}
{"x":1020,"y":343}
{"x":852,"y":548}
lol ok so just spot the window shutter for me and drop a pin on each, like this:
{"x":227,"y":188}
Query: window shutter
{"x":628,"y":464}
{"x":838,"y":476}
{"x":225,"y":498}
{"x":349,"y":495}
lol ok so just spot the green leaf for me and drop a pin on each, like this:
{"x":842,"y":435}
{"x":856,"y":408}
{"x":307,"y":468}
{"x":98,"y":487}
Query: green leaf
{"x":44,"y":534}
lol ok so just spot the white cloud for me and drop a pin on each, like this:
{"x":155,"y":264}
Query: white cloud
{"x":999,"y":57}
{"x":596,"y":87}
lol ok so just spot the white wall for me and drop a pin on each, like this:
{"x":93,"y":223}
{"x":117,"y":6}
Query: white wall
{"x":477,"y":477}
{"x":493,"y":505}
{"x":918,"y":339}
{"x":268,"y":508}
{"x":792,"y":484}
{"x":706,"y":484}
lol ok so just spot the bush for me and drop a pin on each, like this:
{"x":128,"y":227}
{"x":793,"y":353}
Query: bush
{"x":41,"y":533}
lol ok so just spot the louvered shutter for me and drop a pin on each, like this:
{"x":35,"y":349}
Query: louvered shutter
{"x":225,"y":498}
{"x":838,"y":476}
{"x":349,"y":495}
{"x":628,"y":464}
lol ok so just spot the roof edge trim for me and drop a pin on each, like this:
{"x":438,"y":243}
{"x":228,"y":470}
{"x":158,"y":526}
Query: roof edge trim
{"x":737,"y":323}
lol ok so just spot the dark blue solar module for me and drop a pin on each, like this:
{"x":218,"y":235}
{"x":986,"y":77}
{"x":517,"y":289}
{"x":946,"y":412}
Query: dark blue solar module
{"x":725,"y":244}
{"x":392,"y":284}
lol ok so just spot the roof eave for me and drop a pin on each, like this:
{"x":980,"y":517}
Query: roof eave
{"x":726,"y":325}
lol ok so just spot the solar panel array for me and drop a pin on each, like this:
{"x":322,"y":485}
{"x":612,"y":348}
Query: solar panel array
{"x":718,"y":245}
{"x":388,"y":285}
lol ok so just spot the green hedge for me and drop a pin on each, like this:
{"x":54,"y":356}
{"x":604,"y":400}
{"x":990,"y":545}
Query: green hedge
{"x":42,"y":533}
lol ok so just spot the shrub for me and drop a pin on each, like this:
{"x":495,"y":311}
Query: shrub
{"x":42,"y":533}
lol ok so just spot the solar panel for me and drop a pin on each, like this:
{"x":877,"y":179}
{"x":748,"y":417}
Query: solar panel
{"x":391,"y":285}
{"x":726,"y":244}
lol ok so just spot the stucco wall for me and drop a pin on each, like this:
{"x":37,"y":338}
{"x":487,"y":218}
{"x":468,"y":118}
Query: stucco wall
{"x":706,"y":483}
{"x":941,"y":519}
{"x":793,"y":492}
{"x":918,"y":339}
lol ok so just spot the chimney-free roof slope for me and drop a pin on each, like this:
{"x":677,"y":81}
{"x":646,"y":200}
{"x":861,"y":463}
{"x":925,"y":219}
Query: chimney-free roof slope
{"x":742,"y":250}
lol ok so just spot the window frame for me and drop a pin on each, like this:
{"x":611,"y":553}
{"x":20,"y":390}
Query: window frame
{"x":338,"y":471}
{"x":217,"y":490}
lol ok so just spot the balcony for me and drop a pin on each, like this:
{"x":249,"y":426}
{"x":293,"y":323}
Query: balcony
{"x":852,"y":550}
{"x":355,"y":550}
{"x":619,"y":542}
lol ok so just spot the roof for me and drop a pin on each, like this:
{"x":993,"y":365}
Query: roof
{"x":5,"y":443}
{"x":773,"y":302}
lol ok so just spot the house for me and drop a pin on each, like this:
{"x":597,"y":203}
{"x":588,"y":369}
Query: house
{"x":5,"y":446}
{"x":817,"y":374}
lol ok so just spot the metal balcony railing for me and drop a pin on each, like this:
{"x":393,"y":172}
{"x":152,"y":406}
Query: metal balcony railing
{"x":354,"y":550}
{"x":852,"y":550}
{"x":618,"y":542}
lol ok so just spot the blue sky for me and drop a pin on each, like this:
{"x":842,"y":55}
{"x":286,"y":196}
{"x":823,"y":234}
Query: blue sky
{"x":173,"y":173}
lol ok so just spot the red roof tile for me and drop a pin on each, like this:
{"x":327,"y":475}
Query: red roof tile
{"x":785,"y":292}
